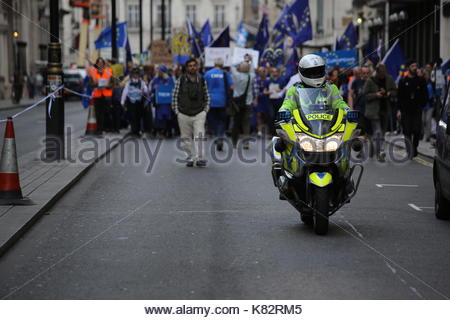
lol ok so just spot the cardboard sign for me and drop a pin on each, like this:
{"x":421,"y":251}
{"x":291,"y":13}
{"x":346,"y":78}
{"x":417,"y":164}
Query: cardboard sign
{"x":117,"y":70}
{"x":160,"y":53}
{"x":239,"y":54}
{"x":212,"y":54}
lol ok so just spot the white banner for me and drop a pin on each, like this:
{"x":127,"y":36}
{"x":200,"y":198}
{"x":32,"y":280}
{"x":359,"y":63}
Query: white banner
{"x":239,"y":54}
{"x":224,"y":309}
{"x":212,"y":53}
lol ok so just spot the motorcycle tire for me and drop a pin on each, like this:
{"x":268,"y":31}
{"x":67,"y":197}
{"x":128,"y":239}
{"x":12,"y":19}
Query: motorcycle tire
{"x":306,"y":219}
{"x":321,"y":204}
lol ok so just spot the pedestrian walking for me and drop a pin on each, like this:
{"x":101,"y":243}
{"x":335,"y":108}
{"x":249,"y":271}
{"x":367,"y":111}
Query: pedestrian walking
{"x":274,"y":92}
{"x":116,"y":108}
{"x":379,"y":91}
{"x":161,"y":88}
{"x":263,"y":103}
{"x":220,"y":86}
{"x":428,"y":109}
{"x":101,"y":79}
{"x":245,"y":95}
{"x":133,"y":96}
{"x":412,"y":97}
{"x":190,"y":103}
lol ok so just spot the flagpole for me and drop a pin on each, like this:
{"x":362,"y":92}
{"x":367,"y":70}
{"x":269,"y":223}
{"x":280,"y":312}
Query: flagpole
{"x":163,"y":20}
{"x":151,"y":22}
{"x":113,"y":32}
{"x":140,"y":27}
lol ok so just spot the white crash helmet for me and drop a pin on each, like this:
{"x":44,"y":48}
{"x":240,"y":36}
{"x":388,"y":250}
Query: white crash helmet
{"x":312,"y":70}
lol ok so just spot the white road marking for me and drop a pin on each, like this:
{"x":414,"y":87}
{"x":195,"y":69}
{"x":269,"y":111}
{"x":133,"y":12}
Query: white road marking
{"x":354,"y":229}
{"x":206,"y":211}
{"x":382,"y":185}
{"x":412,"y":205}
{"x":394,"y":271}
{"x":416,"y":292}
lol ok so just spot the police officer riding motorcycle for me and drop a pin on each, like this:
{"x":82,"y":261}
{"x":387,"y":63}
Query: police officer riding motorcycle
{"x":311,"y":155}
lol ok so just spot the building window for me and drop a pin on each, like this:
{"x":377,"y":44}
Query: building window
{"x":191,"y":13}
{"x":320,"y":26}
{"x":133,"y":16}
{"x":166,"y":15}
{"x":219,"y":16}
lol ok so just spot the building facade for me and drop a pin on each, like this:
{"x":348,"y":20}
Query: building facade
{"x":24,"y":37}
{"x":420,"y":25}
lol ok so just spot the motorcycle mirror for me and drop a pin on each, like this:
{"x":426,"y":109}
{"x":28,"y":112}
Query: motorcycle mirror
{"x":284,"y":115}
{"x":353,"y":115}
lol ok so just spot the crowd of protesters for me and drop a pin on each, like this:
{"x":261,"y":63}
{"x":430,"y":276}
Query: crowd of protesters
{"x":241,"y":100}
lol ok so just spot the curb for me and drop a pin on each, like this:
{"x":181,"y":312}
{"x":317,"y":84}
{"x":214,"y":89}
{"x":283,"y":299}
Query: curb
{"x":53,"y":200}
{"x":17,"y":106}
{"x":402,"y":147}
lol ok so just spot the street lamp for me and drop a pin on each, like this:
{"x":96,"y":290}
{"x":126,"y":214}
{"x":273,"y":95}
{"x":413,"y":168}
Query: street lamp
{"x":54,"y":142}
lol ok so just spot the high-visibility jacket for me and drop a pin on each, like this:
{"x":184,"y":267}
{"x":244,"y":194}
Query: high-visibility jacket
{"x":105,"y":77}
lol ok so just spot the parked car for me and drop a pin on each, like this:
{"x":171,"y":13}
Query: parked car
{"x":441,"y":166}
{"x":73,"y":80}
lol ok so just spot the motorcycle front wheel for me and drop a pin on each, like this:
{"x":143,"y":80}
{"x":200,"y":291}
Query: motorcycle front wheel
{"x":321,"y":206}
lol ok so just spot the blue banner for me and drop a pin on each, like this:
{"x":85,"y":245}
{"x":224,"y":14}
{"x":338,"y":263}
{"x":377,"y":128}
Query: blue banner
{"x":340,"y":58}
{"x":164,"y":94}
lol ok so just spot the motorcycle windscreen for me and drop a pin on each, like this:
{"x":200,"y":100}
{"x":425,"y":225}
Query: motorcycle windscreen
{"x":316,"y":112}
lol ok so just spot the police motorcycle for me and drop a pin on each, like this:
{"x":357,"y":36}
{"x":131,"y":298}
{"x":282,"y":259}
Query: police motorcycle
{"x":311,"y":157}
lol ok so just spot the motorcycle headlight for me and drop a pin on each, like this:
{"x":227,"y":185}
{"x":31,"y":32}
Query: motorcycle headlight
{"x":310,"y":144}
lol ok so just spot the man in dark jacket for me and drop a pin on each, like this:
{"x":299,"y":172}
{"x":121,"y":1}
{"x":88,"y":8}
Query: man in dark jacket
{"x":379,"y":91}
{"x":412,"y":97}
{"x":190,"y":103}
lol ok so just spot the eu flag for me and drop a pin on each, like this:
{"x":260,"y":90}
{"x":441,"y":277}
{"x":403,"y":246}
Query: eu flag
{"x":206,"y":34}
{"x":394,"y":59}
{"x":291,"y":66}
{"x":349,"y":39}
{"x":371,"y":50}
{"x":262,"y":37}
{"x":194,"y":39}
{"x":303,"y":32}
{"x":285,"y":24}
{"x":222,"y":40}
{"x":104,"y":39}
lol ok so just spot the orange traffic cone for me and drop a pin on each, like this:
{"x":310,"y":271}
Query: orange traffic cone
{"x":10,"y":191}
{"x":91,"y":127}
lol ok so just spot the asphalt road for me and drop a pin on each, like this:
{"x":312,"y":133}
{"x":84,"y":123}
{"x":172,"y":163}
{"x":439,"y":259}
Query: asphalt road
{"x":221,"y":233}
{"x":30,"y":126}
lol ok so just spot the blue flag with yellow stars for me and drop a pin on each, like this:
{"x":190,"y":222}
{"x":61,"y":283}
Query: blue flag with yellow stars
{"x":262,"y":37}
{"x":285,"y":24}
{"x":303,"y":31}
{"x":349,"y":39}
{"x":104,"y":39}
{"x":195,"y":40}
{"x":206,"y":34}
{"x":394,"y":59}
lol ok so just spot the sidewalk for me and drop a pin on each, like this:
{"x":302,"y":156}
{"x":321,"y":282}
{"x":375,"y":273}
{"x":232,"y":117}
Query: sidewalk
{"x":425,"y":149}
{"x":45,"y":183}
{"x":7,"y":104}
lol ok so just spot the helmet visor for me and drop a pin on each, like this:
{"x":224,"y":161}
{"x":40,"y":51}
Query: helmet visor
{"x":313,"y":73}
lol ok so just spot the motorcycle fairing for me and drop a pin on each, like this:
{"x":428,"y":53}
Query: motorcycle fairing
{"x":321,"y":179}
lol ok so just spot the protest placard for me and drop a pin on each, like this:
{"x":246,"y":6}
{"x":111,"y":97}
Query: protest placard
{"x":160,"y":53}
{"x":239,"y":54}
{"x":213,"y":53}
